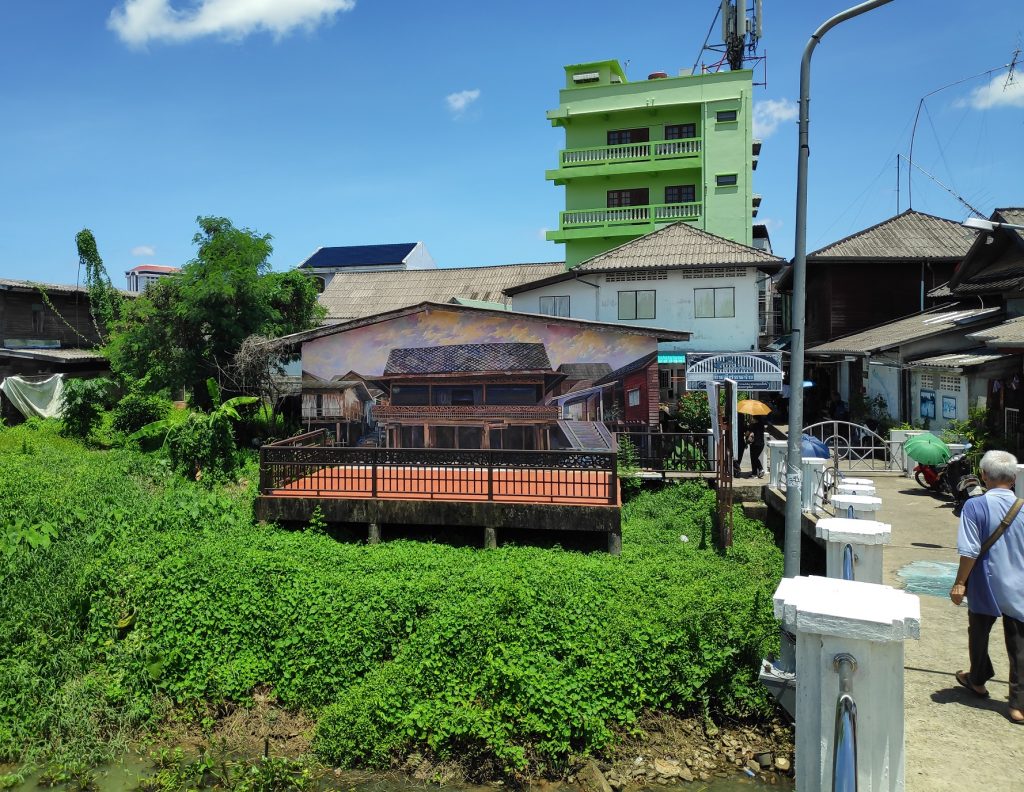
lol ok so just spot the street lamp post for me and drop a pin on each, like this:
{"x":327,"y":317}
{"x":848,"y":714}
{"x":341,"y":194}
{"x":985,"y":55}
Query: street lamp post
{"x":989,"y":225}
{"x":796,"y":371}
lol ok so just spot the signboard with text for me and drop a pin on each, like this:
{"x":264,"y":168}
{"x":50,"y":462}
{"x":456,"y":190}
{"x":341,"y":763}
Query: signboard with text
{"x":752,"y":371}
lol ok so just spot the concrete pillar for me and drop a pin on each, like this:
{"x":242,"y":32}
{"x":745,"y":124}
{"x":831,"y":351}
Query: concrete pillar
{"x":865,"y":624}
{"x":855,"y":489}
{"x":373,"y":536}
{"x":1018,"y":487}
{"x":776,"y":463}
{"x":850,"y":480}
{"x":866,"y":537}
{"x":865,"y":507}
{"x":490,"y":538}
{"x":813,"y":469}
{"x":615,"y":542}
{"x":898,"y":438}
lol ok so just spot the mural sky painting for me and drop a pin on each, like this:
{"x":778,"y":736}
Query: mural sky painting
{"x":365,"y":349}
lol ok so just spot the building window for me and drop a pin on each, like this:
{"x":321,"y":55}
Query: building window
{"x":726,"y":180}
{"x":725,"y":115}
{"x":556,"y":305}
{"x":38,"y":318}
{"x":714,"y":303}
{"x":636,"y":304}
{"x":628,"y":197}
{"x":680,"y":131}
{"x":633,"y":397}
{"x":618,"y":137}
{"x":681,"y":193}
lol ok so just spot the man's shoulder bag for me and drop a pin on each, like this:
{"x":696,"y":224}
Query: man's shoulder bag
{"x":1011,"y":515}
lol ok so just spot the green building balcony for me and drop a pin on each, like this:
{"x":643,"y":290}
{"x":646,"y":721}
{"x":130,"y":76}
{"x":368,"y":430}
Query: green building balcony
{"x":621,"y":220}
{"x":626,"y":158}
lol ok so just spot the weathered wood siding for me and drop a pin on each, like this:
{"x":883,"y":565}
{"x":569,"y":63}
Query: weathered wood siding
{"x":26,"y":316}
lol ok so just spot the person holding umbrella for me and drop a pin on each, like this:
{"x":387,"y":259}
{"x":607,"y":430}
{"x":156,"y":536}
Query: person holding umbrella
{"x":754,"y":432}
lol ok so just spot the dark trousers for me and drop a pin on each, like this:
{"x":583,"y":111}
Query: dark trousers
{"x":978,"y":628}
{"x":756,"y":449}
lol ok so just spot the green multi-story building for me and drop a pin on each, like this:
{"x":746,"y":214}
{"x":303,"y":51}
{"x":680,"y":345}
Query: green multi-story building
{"x":641,"y":155}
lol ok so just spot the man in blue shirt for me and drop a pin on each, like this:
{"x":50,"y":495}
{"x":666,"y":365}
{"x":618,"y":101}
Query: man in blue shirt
{"x":996,"y":579}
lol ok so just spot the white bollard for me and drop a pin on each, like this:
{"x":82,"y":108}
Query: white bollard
{"x":849,"y":480}
{"x":776,"y":464}
{"x":855,"y":489}
{"x":851,"y":634}
{"x":1018,"y":486}
{"x":813,"y":469}
{"x":866,"y":539}
{"x":865,"y":507}
{"x":906,"y":463}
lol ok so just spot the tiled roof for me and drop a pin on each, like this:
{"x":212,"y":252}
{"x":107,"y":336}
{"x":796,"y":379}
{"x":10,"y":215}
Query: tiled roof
{"x":910,"y":328}
{"x":461,"y":358}
{"x":154,"y":268}
{"x":352,"y":295}
{"x":992,"y":269}
{"x":676,"y":246}
{"x":359,"y":255}
{"x":1013,"y":215}
{"x":629,"y":368}
{"x":1008,"y":334}
{"x":958,"y":360}
{"x":584,"y":371}
{"x":909,"y":235}
{"x":940,"y":291}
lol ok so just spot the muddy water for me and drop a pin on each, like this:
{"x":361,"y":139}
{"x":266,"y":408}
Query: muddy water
{"x":127,"y":776}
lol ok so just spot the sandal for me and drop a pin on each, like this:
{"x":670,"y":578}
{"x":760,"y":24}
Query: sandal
{"x":962,"y":678}
{"x":1015,"y":721}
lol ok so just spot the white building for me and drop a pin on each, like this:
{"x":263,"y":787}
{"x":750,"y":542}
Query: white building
{"x":326,"y":262}
{"x":141,"y":276}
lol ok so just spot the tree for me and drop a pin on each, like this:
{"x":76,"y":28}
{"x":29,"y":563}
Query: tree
{"x":188,"y":327}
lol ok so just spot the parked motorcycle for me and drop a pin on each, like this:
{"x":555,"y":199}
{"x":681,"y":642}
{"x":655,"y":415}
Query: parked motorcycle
{"x":930,"y":477}
{"x":954,"y":477}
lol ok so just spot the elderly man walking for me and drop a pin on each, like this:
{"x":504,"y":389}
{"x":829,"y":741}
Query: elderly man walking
{"x":991,"y":547}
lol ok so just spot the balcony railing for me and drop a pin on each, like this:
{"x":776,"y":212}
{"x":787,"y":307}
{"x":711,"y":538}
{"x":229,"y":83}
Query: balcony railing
{"x":630,"y":215}
{"x":538,"y":412}
{"x":630,"y":152}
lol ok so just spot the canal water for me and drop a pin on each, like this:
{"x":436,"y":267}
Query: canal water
{"x":133,"y":771}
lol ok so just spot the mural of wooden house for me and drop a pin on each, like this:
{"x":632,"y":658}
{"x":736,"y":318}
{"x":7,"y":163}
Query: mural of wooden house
{"x":342,"y":406}
{"x":464,"y":377}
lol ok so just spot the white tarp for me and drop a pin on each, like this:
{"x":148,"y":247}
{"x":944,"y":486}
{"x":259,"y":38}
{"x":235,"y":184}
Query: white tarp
{"x":40,"y":398}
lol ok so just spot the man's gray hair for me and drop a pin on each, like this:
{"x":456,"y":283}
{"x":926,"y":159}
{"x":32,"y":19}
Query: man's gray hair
{"x":999,"y":466}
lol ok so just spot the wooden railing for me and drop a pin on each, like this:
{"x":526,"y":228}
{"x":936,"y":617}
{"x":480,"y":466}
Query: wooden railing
{"x":579,"y":218}
{"x":288,"y":468}
{"x":630,"y":152}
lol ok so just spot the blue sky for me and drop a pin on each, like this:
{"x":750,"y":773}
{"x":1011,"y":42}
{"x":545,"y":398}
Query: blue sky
{"x":332,"y":122}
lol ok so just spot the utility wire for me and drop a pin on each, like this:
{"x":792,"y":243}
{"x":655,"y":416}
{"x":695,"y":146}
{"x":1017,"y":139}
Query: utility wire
{"x":947,"y":189}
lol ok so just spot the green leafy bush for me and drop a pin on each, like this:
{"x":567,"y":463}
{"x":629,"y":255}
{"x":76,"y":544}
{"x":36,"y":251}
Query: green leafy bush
{"x":202,"y":442}
{"x":137,"y":409}
{"x":157,"y":590}
{"x":83,"y":404}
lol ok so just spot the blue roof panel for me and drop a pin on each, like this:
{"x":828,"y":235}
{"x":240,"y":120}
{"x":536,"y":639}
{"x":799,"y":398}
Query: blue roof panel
{"x":359,"y":255}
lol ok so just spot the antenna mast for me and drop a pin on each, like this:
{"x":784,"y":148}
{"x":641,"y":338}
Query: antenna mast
{"x":742,"y":29}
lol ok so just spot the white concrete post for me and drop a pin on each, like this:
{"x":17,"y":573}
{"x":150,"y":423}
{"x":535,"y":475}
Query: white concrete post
{"x":1018,"y":487}
{"x":865,"y":537}
{"x":865,"y":507}
{"x":776,"y":463}
{"x":899,"y":437}
{"x":855,"y":489}
{"x":850,"y":480}
{"x":812,"y":469}
{"x":865,"y":622}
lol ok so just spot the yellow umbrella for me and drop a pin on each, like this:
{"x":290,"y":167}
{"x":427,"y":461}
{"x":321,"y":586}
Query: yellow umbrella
{"x":753,"y":407}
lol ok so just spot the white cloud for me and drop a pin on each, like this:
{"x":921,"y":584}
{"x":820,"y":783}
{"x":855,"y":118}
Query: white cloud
{"x":144,"y":250}
{"x":460,"y":101}
{"x":996,"y":93}
{"x":542,"y":234}
{"x":769,"y":113}
{"x":137,"y":22}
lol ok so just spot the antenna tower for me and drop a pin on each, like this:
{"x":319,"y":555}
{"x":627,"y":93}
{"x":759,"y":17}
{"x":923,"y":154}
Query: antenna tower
{"x":742,"y":28}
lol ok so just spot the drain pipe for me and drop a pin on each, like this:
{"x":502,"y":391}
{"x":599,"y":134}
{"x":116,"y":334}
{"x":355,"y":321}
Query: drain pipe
{"x":796,"y":370}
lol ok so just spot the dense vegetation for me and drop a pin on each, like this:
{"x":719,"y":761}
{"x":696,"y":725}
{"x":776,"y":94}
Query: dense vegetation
{"x":127,"y":590}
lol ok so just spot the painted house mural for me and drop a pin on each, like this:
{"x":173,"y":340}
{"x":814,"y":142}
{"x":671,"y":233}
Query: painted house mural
{"x":466,"y":377}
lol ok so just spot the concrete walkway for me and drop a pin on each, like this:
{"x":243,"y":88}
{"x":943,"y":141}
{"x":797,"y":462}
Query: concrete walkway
{"x":954,"y":741}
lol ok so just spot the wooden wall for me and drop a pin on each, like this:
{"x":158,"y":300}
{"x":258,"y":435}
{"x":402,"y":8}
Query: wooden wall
{"x":71,"y":325}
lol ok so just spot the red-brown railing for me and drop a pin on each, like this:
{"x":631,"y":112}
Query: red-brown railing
{"x":305,"y":468}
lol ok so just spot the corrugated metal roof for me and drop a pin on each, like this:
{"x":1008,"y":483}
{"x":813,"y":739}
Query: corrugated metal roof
{"x":940,"y":291}
{"x":676,"y":246}
{"x":910,"y":328}
{"x":461,"y":358}
{"x":1014,"y":215}
{"x":959,"y":360}
{"x":27,"y":285}
{"x":909,"y":235}
{"x":57,"y":355}
{"x":359,"y":255}
{"x":353,"y":295}
{"x":1005,"y":274}
{"x":1008,"y":334}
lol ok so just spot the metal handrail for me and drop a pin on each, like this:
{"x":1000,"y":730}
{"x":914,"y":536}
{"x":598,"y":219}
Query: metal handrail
{"x":844,"y":749}
{"x":848,"y":562}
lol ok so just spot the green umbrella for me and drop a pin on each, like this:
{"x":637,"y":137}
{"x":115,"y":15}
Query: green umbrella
{"x":927,"y":449}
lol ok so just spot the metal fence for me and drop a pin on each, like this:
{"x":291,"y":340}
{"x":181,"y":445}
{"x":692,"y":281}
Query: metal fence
{"x":853,"y":446}
{"x":307,"y":468}
{"x":666,"y":451}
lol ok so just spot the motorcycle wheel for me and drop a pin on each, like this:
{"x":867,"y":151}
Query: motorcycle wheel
{"x":920,"y":479}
